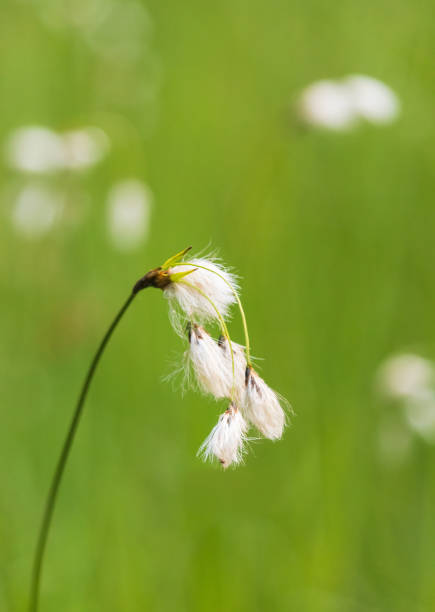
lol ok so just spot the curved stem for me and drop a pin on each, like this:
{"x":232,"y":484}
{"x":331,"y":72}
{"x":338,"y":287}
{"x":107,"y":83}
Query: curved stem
{"x":57,"y":477}
{"x":222,"y":324}
{"x":239,"y":302}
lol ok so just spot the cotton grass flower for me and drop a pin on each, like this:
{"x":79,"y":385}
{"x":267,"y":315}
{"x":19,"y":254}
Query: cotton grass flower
{"x":204,"y":290}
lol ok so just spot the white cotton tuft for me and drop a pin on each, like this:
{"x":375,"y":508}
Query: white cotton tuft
{"x":262,"y":407}
{"x":208,"y":361}
{"x":215,"y":283}
{"x":226,"y":439}
{"x":212,"y":364}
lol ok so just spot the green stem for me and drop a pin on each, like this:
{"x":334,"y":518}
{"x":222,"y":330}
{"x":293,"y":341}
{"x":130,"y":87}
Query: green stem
{"x":222,"y":324}
{"x":239,"y":302}
{"x":57,"y":477}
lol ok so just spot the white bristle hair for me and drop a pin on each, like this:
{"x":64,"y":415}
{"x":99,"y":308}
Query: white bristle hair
{"x":261,"y":405}
{"x":227,"y":438}
{"x":210,"y":282}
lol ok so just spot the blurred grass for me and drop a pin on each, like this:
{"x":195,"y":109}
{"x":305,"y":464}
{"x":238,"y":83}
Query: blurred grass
{"x":333,"y":236}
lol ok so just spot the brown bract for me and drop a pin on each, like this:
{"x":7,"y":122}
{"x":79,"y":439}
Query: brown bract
{"x":157,"y":278}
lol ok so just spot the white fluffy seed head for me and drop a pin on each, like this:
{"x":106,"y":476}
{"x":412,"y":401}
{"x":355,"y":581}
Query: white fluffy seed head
{"x":210,"y":282}
{"x":226,"y":439}
{"x":212,"y":365}
{"x":208,"y":361}
{"x":262,"y":407}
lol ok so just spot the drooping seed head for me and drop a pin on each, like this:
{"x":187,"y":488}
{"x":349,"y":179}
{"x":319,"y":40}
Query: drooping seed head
{"x":262,"y":407}
{"x":209,"y":363}
{"x":227,"y":438}
{"x":202,"y":290}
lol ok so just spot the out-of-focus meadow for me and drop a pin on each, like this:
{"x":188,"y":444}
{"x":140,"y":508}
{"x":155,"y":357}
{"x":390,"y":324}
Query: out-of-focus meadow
{"x":174,"y":123}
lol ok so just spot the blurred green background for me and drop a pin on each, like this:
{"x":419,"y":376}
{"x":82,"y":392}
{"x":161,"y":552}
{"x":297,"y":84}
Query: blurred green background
{"x":333,"y":235}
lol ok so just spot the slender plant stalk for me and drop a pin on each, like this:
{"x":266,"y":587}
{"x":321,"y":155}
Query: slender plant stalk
{"x":239,"y":303}
{"x":60,"y":467}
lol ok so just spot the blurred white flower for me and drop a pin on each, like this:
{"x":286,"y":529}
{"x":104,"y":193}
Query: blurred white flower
{"x":410,"y":380}
{"x":128,"y":213}
{"x":405,"y":375}
{"x":420,"y":414}
{"x":327,"y":104}
{"x":40,"y":150}
{"x":339,"y":105}
{"x":372,"y":99}
{"x":84,"y":147}
{"x":36,"y":210}
{"x":35,"y":149}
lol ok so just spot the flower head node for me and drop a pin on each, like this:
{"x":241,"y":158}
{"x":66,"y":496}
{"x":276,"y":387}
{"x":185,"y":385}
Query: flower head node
{"x":157,"y":278}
